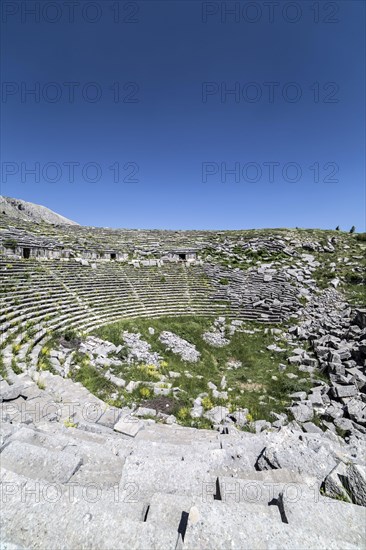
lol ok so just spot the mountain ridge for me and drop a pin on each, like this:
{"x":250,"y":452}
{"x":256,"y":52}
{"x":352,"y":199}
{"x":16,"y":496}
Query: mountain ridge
{"x":28,"y":211}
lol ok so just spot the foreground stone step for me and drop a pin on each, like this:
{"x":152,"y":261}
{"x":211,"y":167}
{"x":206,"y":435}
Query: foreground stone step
{"x":256,"y":490}
{"x":178,"y":435}
{"x":221,"y":527}
{"x":170,"y":475}
{"x":321,"y":515}
{"x":54,"y":516}
{"x":173,"y":510}
{"x":99,"y":463}
{"x":280,"y":477}
{"x":217,"y":462}
{"x":169,"y":510}
{"x":244,"y":445}
{"x":39,"y":463}
{"x":200,"y":453}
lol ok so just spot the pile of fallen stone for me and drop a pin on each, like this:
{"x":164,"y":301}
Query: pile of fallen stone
{"x":221,"y":331}
{"x":339,"y":468}
{"x":338,"y":338}
{"x":179,"y":346}
{"x":100,"y":349}
{"x":216,"y":335}
{"x":139,"y":351}
{"x":60,"y":360}
{"x":97,"y":350}
{"x":307,"y":244}
{"x":262,"y":293}
{"x":271,"y":246}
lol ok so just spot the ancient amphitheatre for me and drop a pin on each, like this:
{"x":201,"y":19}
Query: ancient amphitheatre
{"x":180,"y":389}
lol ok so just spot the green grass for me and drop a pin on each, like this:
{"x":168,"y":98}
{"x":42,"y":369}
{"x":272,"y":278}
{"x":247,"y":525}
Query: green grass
{"x":3,"y":372}
{"x":352,"y":276}
{"x":244,"y":258}
{"x":92,"y":379}
{"x":252,"y":386}
{"x":15,"y":367}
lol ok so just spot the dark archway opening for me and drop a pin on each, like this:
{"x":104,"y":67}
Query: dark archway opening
{"x":113,"y":256}
{"x":182,"y":257}
{"x":26,"y":253}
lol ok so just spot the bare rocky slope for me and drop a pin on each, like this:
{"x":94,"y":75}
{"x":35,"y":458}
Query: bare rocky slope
{"x":22,"y":210}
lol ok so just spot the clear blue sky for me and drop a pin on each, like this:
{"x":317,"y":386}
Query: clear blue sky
{"x":169,"y":123}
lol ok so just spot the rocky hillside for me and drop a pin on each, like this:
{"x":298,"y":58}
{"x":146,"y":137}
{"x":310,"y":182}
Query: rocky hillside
{"x":22,"y":210}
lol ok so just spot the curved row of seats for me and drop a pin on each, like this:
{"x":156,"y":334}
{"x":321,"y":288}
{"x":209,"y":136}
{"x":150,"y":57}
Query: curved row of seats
{"x":39,"y":298}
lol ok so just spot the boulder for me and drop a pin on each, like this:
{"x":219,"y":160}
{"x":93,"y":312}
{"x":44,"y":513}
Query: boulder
{"x":333,"y":484}
{"x":128,"y":426}
{"x":360,"y":318}
{"x":239,"y":417}
{"x":356,"y":410}
{"x":294,"y":453}
{"x":217,"y":415}
{"x":302,"y":412}
{"x":144,"y":411}
{"x":345,"y":391}
{"x":355,"y":483}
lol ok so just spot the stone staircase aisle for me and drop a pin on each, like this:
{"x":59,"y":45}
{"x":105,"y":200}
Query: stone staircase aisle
{"x":69,"y":480}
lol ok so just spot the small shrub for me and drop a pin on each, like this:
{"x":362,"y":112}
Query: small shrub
{"x":207,"y":403}
{"x":150,"y":371}
{"x":15,"y":367}
{"x":15,"y":349}
{"x":354,"y":278}
{"x":42,"y":365}
{"x":145,"y":393}
{"x":183,"y":413}
{"x":69,"y":423}
{"x":70,"y":335}
{"x":45,"y":351}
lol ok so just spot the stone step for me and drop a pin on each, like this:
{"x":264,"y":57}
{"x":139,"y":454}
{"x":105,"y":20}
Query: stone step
{"x":76,"y":517}
{"x":260,"y":489}
{"x":223,"y":525}
{"x":216,"y":461}
{"x":179,"y":435}
{"x":170,"y":475}
{"x":156,"y":449}
{"x":56,"y":430}
{"x":172,"y":510}
{"x":280,"y":478}
{"x":39,"y":463}
{"x":175,"y":439}
{"x":99,"y":463}
{"x":325,"y":516}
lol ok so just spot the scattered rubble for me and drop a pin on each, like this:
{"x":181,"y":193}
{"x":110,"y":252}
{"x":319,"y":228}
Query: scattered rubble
{"x":179,"y":346}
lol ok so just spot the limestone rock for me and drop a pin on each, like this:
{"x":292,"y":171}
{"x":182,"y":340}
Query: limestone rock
{"x":128,"y":426}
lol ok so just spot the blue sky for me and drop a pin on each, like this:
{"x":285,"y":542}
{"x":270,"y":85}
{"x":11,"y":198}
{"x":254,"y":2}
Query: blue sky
{"x":154,"y":140}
